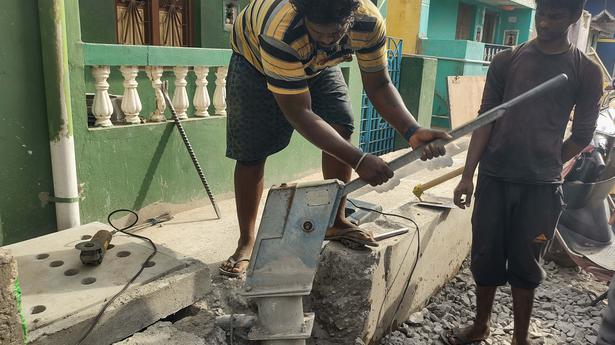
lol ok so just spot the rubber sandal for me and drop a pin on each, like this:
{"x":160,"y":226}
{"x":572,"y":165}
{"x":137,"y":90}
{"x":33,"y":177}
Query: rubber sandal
{"x":234,"y":262}
{"x":354,"y":235}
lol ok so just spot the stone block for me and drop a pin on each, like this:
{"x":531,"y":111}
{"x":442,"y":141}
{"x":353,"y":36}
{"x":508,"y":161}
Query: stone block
{"x":11,"y":332}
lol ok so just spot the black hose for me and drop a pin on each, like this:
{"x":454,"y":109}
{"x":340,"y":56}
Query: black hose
{"x":195,"y":162}
{"x":132,"y":280}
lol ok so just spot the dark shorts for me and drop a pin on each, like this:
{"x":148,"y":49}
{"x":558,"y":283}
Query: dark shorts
{"x":511,"y":224}
{"x":256,"y":126}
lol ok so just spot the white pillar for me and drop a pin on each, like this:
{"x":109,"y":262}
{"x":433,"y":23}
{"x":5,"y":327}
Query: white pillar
{"x":154,"y":73}
{"x":180,"y":96}
{"x":201,"y":99}
{"x":102,"y":106}
{"x":131,"y":103}
{"x":220,"y":93}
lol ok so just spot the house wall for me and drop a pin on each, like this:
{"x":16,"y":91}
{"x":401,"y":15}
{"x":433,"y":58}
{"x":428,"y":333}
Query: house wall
{"x":442,"y":19}
{"x":457,"y":49}
{"x":25,"y":166}
{"x":98,"y":22}
{"x":124,"y":166}
{"x":520,"y":19}
{"x":403,"y":21}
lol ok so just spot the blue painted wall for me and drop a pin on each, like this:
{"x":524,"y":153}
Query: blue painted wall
{"x":596,"y":6}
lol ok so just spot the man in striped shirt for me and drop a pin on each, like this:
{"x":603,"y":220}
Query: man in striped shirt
{"x":283,"y":76}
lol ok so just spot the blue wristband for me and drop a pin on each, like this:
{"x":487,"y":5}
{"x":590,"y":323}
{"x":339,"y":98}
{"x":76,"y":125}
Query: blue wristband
{"x":410,"y":132}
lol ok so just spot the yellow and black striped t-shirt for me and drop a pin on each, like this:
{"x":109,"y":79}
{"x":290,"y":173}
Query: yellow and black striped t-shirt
{"x":273,"y":38}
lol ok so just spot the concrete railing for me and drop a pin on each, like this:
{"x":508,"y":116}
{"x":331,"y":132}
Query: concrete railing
{"x":491,"y":50}
{"x":152,"y":61}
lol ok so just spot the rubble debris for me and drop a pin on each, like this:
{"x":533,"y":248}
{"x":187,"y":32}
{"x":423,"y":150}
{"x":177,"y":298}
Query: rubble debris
{"x":562,"y":311}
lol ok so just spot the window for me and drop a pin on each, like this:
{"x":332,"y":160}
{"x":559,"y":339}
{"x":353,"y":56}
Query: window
{"x":511,"y":37}
{"x":155,"y":22}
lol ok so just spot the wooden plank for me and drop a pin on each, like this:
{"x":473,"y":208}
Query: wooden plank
{"x":465,"y":94}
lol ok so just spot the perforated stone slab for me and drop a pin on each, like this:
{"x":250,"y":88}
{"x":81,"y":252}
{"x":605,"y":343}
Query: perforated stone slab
{"x":57,"y":286}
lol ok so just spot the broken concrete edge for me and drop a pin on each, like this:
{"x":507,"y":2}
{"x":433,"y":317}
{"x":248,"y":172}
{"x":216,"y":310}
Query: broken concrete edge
{"x":360,"y":294}
{"x":12,"y":322}
{"x":139,"y":307}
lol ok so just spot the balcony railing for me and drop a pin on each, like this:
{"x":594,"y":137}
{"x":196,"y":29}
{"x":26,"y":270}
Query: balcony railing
{"x":491,"y":50}
{"x":153,"y":61}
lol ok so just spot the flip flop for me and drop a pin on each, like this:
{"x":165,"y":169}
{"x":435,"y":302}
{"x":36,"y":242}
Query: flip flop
{"x":458,"y":338}
{"x":234,"y":262}
{"x":353,"y":235}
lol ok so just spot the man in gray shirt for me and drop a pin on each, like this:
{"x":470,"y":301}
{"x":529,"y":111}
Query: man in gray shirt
{"x":518,"y":194}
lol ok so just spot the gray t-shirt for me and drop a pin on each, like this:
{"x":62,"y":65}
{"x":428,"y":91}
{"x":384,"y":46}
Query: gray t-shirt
{"x":526,"y":145}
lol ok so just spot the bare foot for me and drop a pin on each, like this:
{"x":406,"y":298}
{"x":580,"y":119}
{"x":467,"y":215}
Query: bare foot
{"x":466,"y":335}
{"x":516,"y":342}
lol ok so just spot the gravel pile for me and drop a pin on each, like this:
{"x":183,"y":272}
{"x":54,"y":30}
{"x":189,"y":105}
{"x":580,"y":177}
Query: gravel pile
{"x":562,"y":311}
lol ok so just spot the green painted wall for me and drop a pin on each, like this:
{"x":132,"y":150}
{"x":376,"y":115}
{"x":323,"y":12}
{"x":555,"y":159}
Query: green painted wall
{"x":442,"y":19}
{"x":523,"y":17}
{"x":213,"y":34}
{"x":145,"y":164}
{"x":134,"y":166}
{"x":98,"y":22}
{"x":124,"y":166}
{"x":458,"y":49}
{"x":98,"y":19}
{"x":416,"y":87}
{"x":26,"y":167}
{"x":424,"y":21}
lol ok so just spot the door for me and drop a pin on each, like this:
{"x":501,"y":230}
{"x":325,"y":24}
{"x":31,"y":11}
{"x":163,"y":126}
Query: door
{"x":490,"y":26}
{"x":465,"y":22}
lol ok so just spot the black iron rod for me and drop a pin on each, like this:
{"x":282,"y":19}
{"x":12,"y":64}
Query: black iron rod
{"x":184,"y":136}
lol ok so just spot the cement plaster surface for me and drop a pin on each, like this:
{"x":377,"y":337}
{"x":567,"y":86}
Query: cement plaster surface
{"x":56,"y":284}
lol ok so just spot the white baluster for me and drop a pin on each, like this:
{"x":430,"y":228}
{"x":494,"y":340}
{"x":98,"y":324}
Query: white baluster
{"x":102,"y":106}
{"x":154,"y":73}
{"x":201,"y":99}
{"x":180,"y":96}
{"x":131,"y":103}
{"x":220,"y":93}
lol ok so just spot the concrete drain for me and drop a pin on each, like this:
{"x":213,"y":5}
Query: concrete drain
{"x":56,"y":263}
{"x":88,"y":281}
{"x":71,"y":272}
{"x":38,"y":309}
{"x":42,"y":256}
{"x":123,"y":254}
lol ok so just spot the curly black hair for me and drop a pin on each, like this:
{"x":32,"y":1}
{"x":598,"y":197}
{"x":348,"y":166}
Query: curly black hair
{"x":326,"y":11}
{"x":574,"y":6}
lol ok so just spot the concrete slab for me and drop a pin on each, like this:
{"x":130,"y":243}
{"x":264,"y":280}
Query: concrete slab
{"x":196,"y":233}
{"x":61,"y":296}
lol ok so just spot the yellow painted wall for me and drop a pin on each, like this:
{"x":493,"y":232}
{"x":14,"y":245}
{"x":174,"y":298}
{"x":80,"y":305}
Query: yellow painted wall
{"x":403,"y":20}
